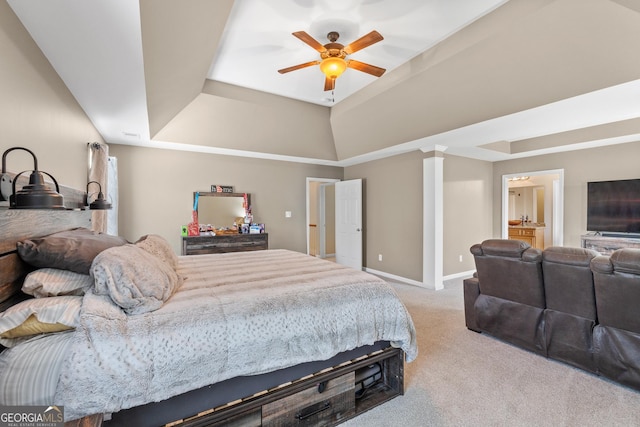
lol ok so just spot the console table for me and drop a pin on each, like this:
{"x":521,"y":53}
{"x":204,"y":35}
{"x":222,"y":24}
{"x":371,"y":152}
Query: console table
{"x":607,"y":244}
{"x":196,"y":245}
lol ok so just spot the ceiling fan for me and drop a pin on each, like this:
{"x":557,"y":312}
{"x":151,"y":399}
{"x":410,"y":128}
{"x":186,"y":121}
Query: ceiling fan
{"x":333,"y":56}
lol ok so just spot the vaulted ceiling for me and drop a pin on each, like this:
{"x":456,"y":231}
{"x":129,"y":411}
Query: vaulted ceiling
{"x":486,"y":79}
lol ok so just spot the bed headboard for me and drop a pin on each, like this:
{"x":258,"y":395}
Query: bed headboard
{"x":20,"y":224}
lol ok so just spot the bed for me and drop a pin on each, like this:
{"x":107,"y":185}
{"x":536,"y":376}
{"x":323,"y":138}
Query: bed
{"x":254,"y":338}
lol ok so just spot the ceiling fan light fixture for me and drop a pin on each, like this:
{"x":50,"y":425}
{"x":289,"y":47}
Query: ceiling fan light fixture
{"x":333,"y":56}
{"x":333,"y":67}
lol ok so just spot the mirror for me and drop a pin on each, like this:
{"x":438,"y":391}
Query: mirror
{"x":220,"y":209}
{"x":527,"y":201}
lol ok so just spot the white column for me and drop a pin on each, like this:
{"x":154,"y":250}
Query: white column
{"x":432,"y":200}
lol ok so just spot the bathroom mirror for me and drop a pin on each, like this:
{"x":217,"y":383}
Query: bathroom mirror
{"x":220,"y":209}
{"x":527,"y":201}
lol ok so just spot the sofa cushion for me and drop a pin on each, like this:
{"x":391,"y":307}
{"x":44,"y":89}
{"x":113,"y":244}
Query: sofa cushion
{"x":504,"y":248}
{"x":626,"y":260}
{"x":569,"y":256}
{"x":617,"y":288}
{"x":510,"y":269}
{"x":568,"y":280}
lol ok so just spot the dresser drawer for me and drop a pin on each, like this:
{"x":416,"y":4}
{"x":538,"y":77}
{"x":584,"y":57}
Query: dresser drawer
{"x":198,"y":245}
{"x":311,"y":407}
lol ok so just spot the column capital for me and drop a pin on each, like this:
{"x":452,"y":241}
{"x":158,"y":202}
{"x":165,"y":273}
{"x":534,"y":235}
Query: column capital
{"x":434,"y":151}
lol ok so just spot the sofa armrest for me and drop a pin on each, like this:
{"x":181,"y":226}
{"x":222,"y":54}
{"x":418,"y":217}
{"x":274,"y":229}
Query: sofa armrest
{"x":471,"y":291}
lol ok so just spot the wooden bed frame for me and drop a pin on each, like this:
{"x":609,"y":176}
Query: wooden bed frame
{"x":317,"y":394}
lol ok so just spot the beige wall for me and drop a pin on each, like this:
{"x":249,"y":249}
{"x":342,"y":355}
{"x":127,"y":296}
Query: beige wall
{"x":37,"y":111}
{"x":580,"y":166}
{"x":227,"y":116}
{"x":156,"y":191}
{"x":468,"y":194}
{"x":392,"y":213}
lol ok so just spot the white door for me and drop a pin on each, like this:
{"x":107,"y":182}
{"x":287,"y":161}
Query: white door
{"x":349,"y":223}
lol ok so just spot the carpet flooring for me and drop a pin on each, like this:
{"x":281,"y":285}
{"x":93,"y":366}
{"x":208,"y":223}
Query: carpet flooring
{"x":462,"y":378}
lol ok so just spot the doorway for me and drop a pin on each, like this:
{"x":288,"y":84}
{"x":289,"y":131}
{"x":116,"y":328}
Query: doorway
{"x":538,"y":196}
{"x":321,"y":217}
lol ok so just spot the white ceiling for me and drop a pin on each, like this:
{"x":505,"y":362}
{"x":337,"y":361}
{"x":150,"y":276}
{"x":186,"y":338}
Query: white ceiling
{"x":257,"y":40}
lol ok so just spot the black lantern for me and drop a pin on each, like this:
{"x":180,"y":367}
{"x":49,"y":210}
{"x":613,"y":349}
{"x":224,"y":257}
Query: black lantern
{"x":35,"y":195}
{"x":100,"y":203}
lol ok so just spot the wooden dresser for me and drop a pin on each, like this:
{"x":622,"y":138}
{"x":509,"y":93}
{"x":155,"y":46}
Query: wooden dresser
{"x":197,"y":245}
{"x":533,"y":235}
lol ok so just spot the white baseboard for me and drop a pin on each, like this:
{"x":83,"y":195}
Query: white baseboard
{"x":393,"y":277}
{"x":461,"y":275}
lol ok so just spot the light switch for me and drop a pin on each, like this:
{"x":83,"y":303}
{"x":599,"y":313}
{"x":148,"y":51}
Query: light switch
{"x":287,"y":214}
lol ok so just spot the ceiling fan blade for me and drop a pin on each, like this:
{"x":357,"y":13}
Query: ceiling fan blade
{"x":365,"y":68}
{"x":329,"y":84}
{"x":297,"y":67}
{"x":362,"y":42}
{"x":310,"y":41}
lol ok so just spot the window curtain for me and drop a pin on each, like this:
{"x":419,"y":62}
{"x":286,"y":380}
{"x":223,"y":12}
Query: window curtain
{"x":103,"y":170}
{"x":112,"y":196}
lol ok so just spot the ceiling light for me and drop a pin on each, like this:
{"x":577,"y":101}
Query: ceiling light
{"x":332,"y":67}
{"x":519,"y":178}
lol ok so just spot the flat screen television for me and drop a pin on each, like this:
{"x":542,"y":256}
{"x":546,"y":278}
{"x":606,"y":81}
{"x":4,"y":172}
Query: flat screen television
{"x":614,"y":206}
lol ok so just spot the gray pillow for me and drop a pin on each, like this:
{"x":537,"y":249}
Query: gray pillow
{"x":72,"y":250}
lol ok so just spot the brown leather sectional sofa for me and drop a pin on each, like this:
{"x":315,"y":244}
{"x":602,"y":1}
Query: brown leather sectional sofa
{"x":569,"y":304}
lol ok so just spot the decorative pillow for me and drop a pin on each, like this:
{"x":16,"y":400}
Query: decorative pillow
{"x":159,"y":247}
{"x":30,"y":371}
{"x":51,"y":282}
{"x":134,"y":279}
{"x":72,"y":250}
{"x":38,"y":316}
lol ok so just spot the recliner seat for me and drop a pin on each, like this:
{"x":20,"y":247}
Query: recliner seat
{"x":571,"y":314}
{"x":616,"y":337}
{"x":511,"y":299}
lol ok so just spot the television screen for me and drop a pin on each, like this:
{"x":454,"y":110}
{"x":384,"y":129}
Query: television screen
{"x":614,"y":206}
